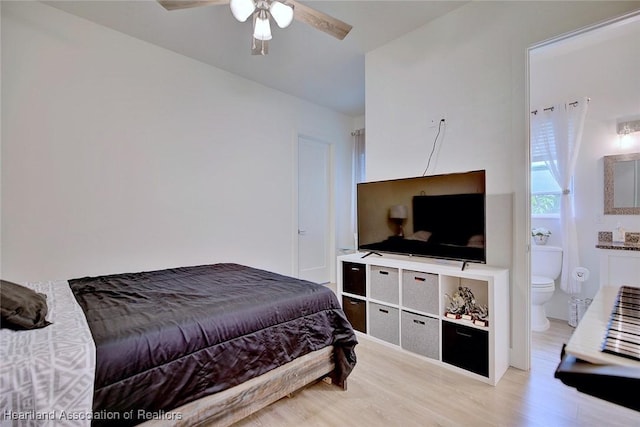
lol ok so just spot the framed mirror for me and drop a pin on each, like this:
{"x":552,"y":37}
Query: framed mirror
{"x":622,"y":184}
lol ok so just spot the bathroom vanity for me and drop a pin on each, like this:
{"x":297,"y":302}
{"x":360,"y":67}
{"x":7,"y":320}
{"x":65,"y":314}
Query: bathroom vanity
{"x":619,"y":262}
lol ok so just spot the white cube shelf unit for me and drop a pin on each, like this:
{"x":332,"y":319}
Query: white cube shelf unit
{"x":401,"y":301}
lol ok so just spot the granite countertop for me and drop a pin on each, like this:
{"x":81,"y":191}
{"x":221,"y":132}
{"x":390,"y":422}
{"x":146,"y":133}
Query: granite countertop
{"x":631,"y":241}
{"x":620,"y":246}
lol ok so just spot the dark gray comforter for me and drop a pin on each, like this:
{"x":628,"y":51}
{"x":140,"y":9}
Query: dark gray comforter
{"x":165,"y":338}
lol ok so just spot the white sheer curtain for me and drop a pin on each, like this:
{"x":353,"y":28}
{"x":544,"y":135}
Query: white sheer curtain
{"x":357,"y":172}
{"x":556,"y":133}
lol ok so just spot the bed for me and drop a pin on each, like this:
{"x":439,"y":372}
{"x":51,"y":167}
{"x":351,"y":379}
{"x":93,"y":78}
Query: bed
{"x":208,"y":343}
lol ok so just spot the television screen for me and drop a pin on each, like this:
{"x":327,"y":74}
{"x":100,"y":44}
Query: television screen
{"x":439,"y":216}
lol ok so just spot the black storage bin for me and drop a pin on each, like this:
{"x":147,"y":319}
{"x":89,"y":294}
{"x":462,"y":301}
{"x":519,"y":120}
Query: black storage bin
{"x":354,"y":278}
{"x":465,"y":347}
{"x":356,"y":311}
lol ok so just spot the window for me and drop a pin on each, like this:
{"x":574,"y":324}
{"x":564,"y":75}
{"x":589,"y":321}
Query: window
{"x":358,"y":156}
{"x":545,"y":192}
{"x":358,"y":173}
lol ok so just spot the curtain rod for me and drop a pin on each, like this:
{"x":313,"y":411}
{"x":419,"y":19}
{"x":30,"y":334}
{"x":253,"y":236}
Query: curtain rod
{"x":573,"y":104}
{"x":357,"y":132}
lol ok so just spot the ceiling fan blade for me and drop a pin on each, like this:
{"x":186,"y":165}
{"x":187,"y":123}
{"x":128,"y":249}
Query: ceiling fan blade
{"x":320,"y":20}
{"x":184,"y":4}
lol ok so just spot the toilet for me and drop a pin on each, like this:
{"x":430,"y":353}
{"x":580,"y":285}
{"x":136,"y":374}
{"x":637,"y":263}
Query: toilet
{"x":546,"y":264}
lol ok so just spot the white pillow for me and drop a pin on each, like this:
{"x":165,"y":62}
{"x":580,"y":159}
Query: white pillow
{"x":420,"y":235}
{"x":476,"y":241}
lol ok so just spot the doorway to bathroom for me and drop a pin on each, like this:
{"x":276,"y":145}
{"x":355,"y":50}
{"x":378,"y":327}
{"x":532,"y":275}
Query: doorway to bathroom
{"x":598,"y":67}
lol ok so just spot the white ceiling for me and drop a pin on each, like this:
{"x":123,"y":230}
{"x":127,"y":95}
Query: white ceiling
{"x":302,"y":61}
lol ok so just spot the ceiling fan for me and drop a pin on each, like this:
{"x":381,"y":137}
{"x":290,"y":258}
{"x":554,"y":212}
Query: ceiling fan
{"x":282,"y":11}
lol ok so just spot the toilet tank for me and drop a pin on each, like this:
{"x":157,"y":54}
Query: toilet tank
{"x":546,"y":261}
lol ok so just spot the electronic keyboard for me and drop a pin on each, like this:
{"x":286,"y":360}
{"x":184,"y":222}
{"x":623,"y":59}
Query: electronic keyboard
{"x":602,"y":357}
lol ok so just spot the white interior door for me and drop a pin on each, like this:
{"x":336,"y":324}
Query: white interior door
{"x":313,"y":210}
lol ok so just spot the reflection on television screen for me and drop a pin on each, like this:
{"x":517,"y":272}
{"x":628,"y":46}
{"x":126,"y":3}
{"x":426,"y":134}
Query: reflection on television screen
{"x":439,"y":216}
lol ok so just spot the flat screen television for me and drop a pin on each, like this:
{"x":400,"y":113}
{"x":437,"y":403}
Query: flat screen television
{"x":437,"y":216}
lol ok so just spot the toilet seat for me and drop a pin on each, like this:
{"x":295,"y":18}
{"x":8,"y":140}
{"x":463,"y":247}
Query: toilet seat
{"x":542,"y":282}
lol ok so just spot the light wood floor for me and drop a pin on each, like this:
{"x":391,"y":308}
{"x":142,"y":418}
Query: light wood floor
{"x":392,"y":388}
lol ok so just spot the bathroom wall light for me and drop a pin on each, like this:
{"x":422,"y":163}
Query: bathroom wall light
{"x":627,"y":127}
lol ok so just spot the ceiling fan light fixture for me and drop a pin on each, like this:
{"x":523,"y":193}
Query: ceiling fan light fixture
{"x":261,"y":27}
{"x":282,"y":13}
{"x":242,"y":9}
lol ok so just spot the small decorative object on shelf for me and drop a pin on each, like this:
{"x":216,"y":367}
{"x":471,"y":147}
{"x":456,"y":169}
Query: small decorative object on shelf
{"x":462,"y":305}
{"x":540,"y":235}
{"x":457,"y":304}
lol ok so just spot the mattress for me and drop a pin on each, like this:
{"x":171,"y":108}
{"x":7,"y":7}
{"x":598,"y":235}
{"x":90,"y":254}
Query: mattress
{"x":46,"y":375}
{"x":165,"y":338}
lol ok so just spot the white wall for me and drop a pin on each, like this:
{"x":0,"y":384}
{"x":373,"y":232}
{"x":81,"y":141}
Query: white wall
{"x":121,"y":156}
{"x":469,"y":67}
{"x":602,"y":64}
{"x":359,"y":122}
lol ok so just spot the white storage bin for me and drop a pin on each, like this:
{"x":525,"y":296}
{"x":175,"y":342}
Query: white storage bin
{"x":420,"y":291}
{"x":385,"y":284}
{"x":384,"y":323}
{"x":420,"y":334}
